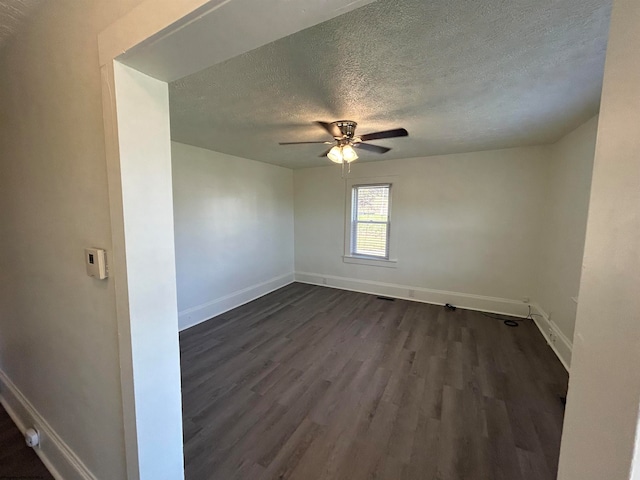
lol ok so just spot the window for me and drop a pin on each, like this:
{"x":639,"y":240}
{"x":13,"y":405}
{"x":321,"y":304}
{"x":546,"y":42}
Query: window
{"x":370,"y":226}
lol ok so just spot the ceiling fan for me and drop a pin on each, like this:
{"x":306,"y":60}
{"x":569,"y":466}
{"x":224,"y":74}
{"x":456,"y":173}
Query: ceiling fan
{"x":345,"y":140}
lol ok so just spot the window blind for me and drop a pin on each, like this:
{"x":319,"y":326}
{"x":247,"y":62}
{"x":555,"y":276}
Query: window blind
{"x":370,"y":220}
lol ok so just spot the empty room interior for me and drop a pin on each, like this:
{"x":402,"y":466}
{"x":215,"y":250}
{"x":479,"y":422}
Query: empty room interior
{"x":356,"y":370}
{"x":354,"y":244}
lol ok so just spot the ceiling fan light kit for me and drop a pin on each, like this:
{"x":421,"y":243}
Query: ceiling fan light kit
{"x":349,"y":154}
{"x":335,"y":154}
{"x":346,"y":141}
{"x":342,"y":153}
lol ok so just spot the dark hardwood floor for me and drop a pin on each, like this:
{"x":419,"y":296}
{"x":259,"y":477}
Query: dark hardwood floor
{"x":17,"y":461}
{"x":316,"y":383}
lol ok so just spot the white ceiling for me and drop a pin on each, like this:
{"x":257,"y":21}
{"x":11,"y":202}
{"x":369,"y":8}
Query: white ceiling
{"x":13,"y":14}
{"x":458,"y":75}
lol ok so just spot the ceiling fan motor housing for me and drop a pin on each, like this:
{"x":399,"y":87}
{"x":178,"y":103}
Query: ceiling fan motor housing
{"x":347,"y":127}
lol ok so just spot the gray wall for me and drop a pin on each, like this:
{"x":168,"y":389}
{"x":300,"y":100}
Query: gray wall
{"x":58,"y":329}
{"x":566,"y":201}
{"x":233,"y":230}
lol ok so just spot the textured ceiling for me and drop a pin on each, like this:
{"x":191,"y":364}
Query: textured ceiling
{"x":13,"y":14}
{"x":458,"y":75}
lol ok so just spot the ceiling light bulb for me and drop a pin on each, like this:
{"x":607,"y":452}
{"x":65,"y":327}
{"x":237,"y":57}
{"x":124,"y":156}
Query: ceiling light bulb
{"x":335,"y":154}
{"x":349,"y":154}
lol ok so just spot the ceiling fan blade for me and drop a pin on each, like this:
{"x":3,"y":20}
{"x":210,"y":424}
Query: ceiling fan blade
{"x":398,"y":132}
{"x":325,"y":153}
{"x":371,"y":148}
{"x":301,"y":143}
{"x":332,"y":128}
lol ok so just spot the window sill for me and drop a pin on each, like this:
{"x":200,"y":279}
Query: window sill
{"x":374,"y":262}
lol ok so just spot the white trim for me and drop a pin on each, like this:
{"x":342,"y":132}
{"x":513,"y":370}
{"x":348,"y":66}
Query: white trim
{"x":557,"y":340}
{"x":374,"y":262}
{"x":205,"y":311}
{"x":56,"y":455}
{"x":354,"y":222}
{"x":481,"y":303}
{"x":118,"y":268}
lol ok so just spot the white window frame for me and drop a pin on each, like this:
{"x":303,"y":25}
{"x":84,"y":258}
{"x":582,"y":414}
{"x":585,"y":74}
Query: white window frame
{"x":349,"y":256}
{"x":354,"y":221}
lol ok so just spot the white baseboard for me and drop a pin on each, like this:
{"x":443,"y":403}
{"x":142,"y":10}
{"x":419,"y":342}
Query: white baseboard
{"x":480,"y":303}
{"x":56,"y":455}
{"x":557,"y":340}
{"x":198,"y":314}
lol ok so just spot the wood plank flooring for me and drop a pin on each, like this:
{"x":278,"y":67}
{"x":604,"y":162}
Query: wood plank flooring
{"x":17,"y":461}
{"x":316,"y":383}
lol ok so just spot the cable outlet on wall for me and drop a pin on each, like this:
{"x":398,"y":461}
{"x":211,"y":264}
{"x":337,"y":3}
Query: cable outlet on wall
{"x":526,"y":299}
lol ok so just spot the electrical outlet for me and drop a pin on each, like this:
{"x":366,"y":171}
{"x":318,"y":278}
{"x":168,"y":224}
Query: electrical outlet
{"x":526,"y":299}
{"x":324,"y":281}
{"x":412,"y":294}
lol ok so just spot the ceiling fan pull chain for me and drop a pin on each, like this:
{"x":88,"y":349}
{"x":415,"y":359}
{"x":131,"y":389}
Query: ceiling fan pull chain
{"x":348,"y":169}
